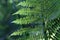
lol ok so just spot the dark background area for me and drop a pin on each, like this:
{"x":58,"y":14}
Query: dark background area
{"x":7,"y":8}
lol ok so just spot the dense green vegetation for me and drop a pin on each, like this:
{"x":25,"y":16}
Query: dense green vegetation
{"x":29,"y":19}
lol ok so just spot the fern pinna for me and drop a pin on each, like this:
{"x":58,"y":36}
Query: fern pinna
{"x":42,"y":18}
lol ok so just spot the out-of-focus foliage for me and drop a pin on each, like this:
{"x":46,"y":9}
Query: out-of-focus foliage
{"x":5,"y":14}
{"x":2,"y":16}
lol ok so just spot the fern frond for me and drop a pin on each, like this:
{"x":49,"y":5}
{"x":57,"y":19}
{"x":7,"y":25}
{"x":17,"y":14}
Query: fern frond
{"x":45,"y":12}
